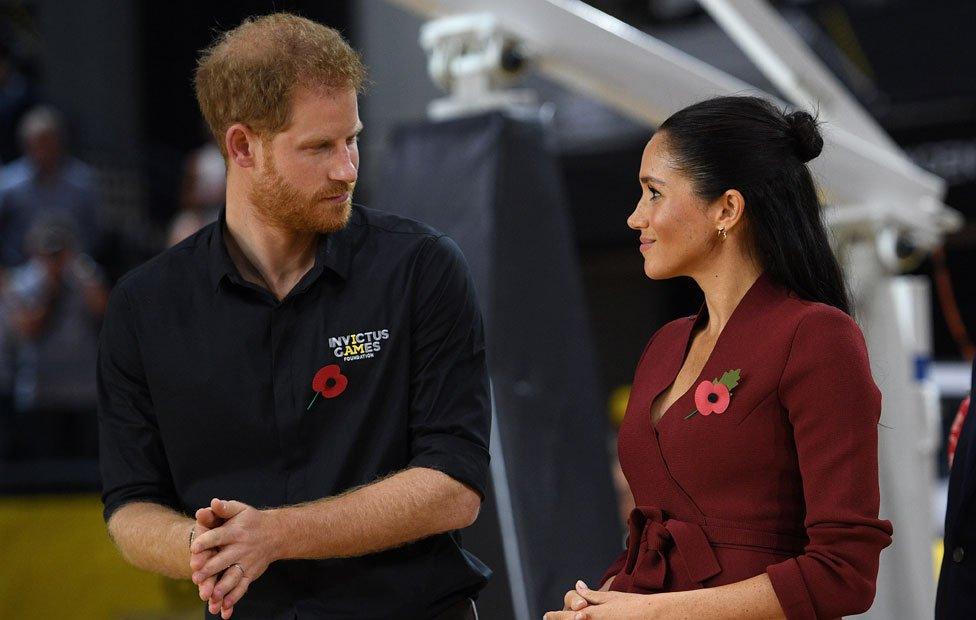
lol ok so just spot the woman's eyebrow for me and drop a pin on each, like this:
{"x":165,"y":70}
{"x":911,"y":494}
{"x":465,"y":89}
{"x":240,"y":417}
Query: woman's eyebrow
{"x":655,"y":180}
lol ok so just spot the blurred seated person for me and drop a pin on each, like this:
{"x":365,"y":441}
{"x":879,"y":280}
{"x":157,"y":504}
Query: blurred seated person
{"x":53,"y":306}
{"x":46,"y":181}
{"x":202,"y":193}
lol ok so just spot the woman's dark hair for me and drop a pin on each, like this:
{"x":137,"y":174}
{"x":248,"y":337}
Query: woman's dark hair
{"x":747,"y":144}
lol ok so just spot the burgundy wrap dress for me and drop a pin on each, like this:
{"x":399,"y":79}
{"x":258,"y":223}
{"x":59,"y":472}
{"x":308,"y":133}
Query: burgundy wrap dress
{"x":784,"y":481}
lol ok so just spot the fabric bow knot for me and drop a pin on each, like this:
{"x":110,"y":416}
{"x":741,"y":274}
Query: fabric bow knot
{"x":652,"y":537}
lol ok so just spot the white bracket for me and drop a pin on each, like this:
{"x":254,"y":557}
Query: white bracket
{"x":474,"y":59}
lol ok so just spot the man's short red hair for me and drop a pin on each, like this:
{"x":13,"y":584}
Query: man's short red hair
{"x":249,"y":73}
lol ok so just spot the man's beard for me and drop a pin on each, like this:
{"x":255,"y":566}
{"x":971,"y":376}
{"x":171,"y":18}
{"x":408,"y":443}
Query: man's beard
{"x":284,"y":206}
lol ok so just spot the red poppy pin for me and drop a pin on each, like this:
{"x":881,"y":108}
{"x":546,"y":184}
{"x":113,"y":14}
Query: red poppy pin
{"x":329,"y":382}
{"x":714,"y":396}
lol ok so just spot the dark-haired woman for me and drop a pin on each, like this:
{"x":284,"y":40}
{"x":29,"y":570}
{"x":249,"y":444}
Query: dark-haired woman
{"x":750,"y":439}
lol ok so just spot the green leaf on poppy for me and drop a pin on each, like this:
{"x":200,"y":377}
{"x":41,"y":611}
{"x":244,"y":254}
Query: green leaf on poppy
{"x":730,"y":378}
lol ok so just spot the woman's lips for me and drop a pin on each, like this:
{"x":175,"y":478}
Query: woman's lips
{"x":645,"y":245}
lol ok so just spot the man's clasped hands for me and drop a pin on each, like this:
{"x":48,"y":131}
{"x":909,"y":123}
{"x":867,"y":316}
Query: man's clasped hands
{"x":231,"y":545}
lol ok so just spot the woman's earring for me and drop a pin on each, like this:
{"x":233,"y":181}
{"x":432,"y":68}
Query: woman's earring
{"x":722,"y":233}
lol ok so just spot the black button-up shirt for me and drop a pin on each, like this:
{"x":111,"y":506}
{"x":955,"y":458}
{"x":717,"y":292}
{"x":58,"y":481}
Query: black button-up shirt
{"x":206,"y":390}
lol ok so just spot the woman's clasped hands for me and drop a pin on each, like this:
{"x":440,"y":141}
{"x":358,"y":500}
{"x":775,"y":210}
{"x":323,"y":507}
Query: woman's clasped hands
{"x":586,"y":604}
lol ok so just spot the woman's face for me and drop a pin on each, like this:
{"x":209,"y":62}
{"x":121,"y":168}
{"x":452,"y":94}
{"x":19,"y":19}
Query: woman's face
{"x":677,"y":228}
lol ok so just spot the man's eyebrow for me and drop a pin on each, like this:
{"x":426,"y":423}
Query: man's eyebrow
{"x":322,"y":138}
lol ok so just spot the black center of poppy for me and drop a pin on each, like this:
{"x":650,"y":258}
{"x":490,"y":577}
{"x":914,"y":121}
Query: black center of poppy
{"x":330,"y":382}
{"x":713,"y":397}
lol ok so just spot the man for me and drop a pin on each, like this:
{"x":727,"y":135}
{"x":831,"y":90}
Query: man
{"x":307,"y":375}
{"x":53,"y":305}
{"x":956,"y":597}
{"x":46,"y":182}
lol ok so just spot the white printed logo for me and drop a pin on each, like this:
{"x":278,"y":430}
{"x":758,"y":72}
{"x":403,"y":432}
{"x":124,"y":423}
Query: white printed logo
{"x":363,"y":345}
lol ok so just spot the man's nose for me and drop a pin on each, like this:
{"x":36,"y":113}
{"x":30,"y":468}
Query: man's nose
{"x":345,"y":169}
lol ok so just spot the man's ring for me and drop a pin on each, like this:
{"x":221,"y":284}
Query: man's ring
{"x":237,"y":564}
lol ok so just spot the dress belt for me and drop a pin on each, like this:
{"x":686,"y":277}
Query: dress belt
{"x":652,"y":535}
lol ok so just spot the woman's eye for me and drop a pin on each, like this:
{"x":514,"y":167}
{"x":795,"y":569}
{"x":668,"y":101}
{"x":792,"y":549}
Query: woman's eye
{"x":653,"y":192}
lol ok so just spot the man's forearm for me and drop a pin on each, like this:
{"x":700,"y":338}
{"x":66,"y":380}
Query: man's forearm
{"x":153,"y":537}
{"x":404,"y":507}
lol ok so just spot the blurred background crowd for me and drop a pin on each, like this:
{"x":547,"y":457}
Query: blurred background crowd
{"x":60,"y":251}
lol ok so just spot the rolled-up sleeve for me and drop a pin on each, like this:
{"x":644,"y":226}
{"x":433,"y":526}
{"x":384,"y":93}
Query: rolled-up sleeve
{"x":450,"y":407}
{"x":834,"y":407}
{"x":132,"y":460}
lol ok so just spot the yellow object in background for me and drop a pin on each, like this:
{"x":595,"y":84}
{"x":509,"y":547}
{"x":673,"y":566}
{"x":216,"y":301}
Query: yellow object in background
{"x":58,"y":562}
{"x":617,"y":404}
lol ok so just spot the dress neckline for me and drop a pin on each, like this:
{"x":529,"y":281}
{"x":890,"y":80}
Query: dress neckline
{"x":755,"y":294}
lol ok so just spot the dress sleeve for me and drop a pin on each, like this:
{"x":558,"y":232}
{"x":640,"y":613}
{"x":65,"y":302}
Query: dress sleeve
{"x":131,"y":455}
{"x":450,"y":405}
{"x":834,"y":407}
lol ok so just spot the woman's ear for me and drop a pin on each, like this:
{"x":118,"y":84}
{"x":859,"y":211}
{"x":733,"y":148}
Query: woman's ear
{"x":731,"y":208}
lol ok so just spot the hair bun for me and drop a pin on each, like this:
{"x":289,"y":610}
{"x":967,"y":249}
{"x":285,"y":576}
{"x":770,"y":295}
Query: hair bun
{"x":803,"y":132}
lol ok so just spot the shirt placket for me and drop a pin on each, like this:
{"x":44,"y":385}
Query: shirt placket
{"x":287,"y":413}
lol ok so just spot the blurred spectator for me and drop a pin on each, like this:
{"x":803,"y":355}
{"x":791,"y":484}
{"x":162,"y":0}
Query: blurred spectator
{"x":53,"y":305}
{"x":202,"y":194}
{"x":15,"y":99}
{"x":45,"y":181}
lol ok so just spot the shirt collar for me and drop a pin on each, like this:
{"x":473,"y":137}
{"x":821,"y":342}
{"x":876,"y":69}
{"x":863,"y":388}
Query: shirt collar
{"x":334,"y":252}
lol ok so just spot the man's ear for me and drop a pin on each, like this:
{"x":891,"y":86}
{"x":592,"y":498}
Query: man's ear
{"x":241,"y":144}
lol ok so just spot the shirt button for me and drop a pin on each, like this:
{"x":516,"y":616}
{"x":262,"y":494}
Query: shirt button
{"x":958,"y":554}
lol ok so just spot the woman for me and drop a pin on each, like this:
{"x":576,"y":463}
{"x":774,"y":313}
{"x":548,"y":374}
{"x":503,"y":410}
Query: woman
{"x":750,"y":439}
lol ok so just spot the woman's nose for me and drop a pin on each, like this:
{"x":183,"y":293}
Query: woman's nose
{"x":635,"y":220}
